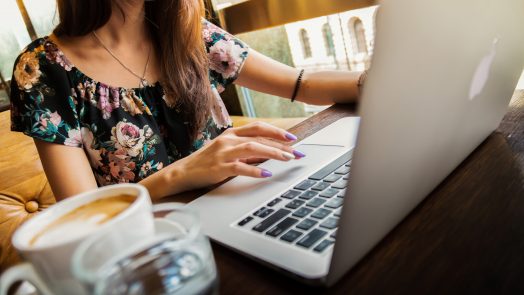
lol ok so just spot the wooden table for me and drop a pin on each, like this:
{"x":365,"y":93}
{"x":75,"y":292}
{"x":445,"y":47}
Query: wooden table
{"x":466,"y":237}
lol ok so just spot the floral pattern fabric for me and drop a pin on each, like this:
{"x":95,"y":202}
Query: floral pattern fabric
{"x":127,"y":134}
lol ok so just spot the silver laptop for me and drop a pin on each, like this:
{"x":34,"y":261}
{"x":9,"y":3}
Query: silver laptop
{"x":441,"y":78}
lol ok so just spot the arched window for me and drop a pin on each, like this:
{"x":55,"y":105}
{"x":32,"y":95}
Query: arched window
{"x":358,"y":35}
{"x":306,"y":47}
{"x":328,"y":39}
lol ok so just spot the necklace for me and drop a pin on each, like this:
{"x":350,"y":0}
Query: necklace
{"x":143,"y":82}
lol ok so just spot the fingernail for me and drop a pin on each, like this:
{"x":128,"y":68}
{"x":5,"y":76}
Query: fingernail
{"x":290,"y":136}
{"x":298,"y":154}
{"x":288,"y":156}
{"x":266,"y":173}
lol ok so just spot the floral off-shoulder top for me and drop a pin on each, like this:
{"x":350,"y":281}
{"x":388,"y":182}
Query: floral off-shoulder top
{"x":127,"y":134}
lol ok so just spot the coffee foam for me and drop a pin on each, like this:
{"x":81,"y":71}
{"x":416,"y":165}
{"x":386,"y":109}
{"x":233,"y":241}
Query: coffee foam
{"x":82,"y":220}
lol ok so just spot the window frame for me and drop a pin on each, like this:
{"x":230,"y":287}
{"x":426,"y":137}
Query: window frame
{"x":358,"y":35}
{"x":306,"y":44}
{"x":329,"y":43}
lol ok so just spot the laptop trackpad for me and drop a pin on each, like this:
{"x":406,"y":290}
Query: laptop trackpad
{"x":315,"y":155}
{"x":284,"y":173}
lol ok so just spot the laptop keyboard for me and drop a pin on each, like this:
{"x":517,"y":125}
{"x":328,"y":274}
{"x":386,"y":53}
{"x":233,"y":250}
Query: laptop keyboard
{"x":306,"y":215}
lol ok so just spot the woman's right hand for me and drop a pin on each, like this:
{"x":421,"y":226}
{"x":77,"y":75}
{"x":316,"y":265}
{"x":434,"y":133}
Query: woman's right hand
{"x":229,"y":155}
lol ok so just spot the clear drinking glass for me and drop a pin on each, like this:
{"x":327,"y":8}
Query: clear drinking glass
{"x":176,"y":260}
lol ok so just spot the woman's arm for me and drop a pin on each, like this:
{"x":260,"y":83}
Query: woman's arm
{"x":67,"y":169}
{"x":264,"y":74}
{"x":69,"y":172}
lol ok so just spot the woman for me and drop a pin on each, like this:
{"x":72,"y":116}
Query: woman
{"x":127,"y":91}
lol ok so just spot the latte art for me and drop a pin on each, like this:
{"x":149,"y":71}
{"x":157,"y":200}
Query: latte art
{"x":82,"y":220}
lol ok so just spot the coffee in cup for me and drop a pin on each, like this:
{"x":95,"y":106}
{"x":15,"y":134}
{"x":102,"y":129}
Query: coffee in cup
{"x":82,"y":220}
{"x":47,"y":241}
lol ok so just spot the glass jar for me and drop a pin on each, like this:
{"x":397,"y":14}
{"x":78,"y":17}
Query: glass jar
{"x":177,"y":260}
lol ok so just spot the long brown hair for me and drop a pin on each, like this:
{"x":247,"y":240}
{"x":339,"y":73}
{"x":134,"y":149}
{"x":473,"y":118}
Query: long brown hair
{"x":176,"y":30}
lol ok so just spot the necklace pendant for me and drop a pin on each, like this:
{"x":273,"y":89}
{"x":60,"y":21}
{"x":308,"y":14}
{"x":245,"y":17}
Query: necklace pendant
{"x":143,"y":83}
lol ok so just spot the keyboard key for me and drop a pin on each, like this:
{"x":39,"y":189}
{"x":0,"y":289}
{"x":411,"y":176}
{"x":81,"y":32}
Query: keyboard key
{"x":335,"y":203}
{"x":311,"y":238}
{"x":346,"y":177}
{"x":330,"y":223}
{"x":272,"y":219}
{"x":259,"y":211}
{"x":323,"y":245}
{"x":306,"y":224}
{"x":265,"y":213}
{"x":321,"y":213}
{"x":341,"y":184}
{"x":304,"y":185}
{"x":320,"y":186}
{"x":316,"y":202}
{"x":348,"y":164}
{"x":341,"y":193}
{"x":291,"y":236}
{"x":332,"y":178}
{"x":294,"y":204}
{"x":343,"y":170}
{"x":245,"y":220}
{"x":338,"y":212}
{"x":281,"y":227}
{"x":274,"y":202}
{"x":333,"y":234}
{"x":290,"y":194}
{"x":308,"y":195}
{"x":322,"y":173}
{"x":302,"y":212}
{"x":329,"y":193}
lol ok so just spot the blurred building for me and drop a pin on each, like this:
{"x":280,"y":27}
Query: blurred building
{"x":340,"y":41}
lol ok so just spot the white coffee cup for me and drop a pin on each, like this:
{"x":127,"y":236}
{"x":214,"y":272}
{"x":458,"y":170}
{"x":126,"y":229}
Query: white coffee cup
{"x":48,"y":266}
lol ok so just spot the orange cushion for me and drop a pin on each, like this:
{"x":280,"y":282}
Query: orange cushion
{"x":24,"y":189}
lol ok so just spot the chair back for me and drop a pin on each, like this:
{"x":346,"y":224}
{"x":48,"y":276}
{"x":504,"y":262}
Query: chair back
{"x":24,"y":189}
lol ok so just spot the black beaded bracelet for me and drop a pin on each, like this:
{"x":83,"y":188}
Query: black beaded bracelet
{"x":297,"y":85}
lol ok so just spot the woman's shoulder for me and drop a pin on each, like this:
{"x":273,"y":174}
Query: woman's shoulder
{"x":31,"y":54}
{"x":34,"y":50}
{"x":39,"y":59}
{"x":226,"y":55}
{"x":35,"y":45}
{"x":213,"y":34}
{"x":44,"y":51}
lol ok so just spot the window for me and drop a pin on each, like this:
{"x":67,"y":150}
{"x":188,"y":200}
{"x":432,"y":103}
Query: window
{"x":15,"y":33}
{"x":300,"y":37}
{"x":306,"y":47}
{"x":288,"y":44}
{"x":13,"y":36}
{"x":358,"y":35}
{"x":43,"y":15}
{"x":328,"y":39}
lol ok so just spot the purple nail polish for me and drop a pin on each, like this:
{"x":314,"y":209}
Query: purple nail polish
{"x":266,"y":173}
{"x":298,"y":154}
{"x":290,"y":136}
